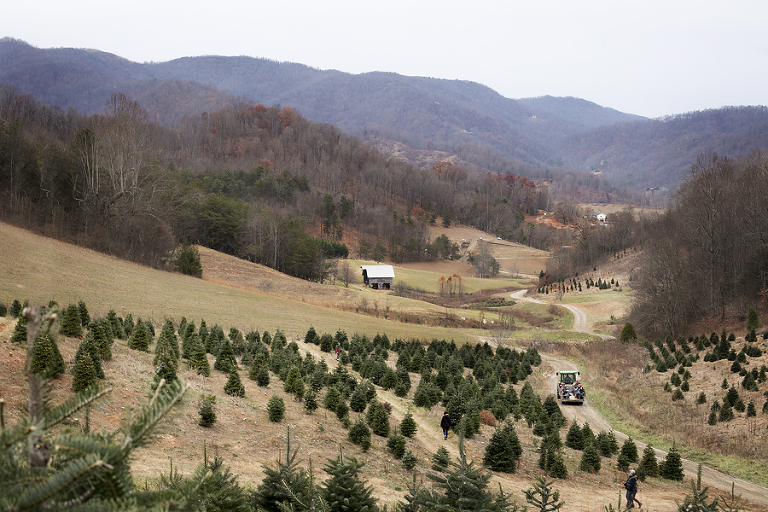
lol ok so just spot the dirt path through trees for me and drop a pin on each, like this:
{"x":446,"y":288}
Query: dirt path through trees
{"x":586,"y":413}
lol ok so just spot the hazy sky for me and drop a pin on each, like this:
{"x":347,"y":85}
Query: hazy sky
{"x":650,"y":58}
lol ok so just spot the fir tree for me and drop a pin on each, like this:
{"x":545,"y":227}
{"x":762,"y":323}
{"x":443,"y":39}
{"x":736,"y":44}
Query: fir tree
{"x":262,"y":379}
{"x":503,"y":450}
{"x":90,"y":345}
{"x":396,"y":444}
{"x":378,"y":419}
{"x":85,"y":318}
{"x":649,"y":463}
{"x":360,"y":435}
{"x":441,"y":459}
{"x":234,"y":387}
{"x":286,"y":485}
{"x":139,"y":339}
{"x":16,"y":308}
{"x":83,"y":370}
{"x":116,"y":324}
{"x":629,"y":450}
{"x":166,"y":369}
{"x":310,"y":402}
{"x":206,"y":412}
{"x":20,"y":331}
{"x":345,"y":491}
{"x":459,"y":487}
{"x":408,"y":426}
{"x":294,"y":374}
{"x":128,"y":324}
{"x":198,"y":359}
{"x":57,"y":365}
{"x":100,"y":338}
{"x":542,"y":497}
{"x":331,"y":399}
{"x":574,"y":439}
{"x":672,"y":467}
{"x":555,"y":464}
{"x":342,"y":410}
{"x":225,"y":361}
{"x":276,"y":409}
{"x":358,"y":401}
{"x":71,"y":323}
{"x":590,"y":459}
{"x":409,"y":460}
{"x":42,"y":355}
{"x":607,"y":444}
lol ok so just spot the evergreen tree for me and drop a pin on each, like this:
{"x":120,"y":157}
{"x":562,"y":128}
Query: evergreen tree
{"x":358,"y":401}
{"x":396,"y":444}
{"x":276,"y":409}
{"x":629,"y":450}
{"x":206,"y":412}
{"x":85,"y":318}
{"x":672,"y":467}
{"x":71,"y":323}
{"x":225,"y":361}
{"x":408,"y":426}
{"x":90,"y":346}
{"x":460,"y":487}
{"x":286,"y":485}
{"x":574,"y":439}
{"x":42,"y":355}
{"x":409,"y":460}
{"x":441,"y":459}
{"x":57,"y":365}
{"x":628,"y":333}
{"x":590,"y":459}
{"x":649,"y":463}
{"x":128,"y":325}
{"x":100,"y":338}
{"x":234,"y":387}
{"x":345,"y":491}
{"x":503,"y":450}
{"x":294,"y":375}
{"x":116,"y":324}
{"x":331,"y":399}
{"x":607,"y":444}
{"x":83,"y":371}
{"x":20,"y":331}
{"x":198,"y":358}
{"x":342,"y":410}
{"x":378,"y":419}
{"x":360,"y":435}
{"x":139,"y":339}
{"x":310,"y":402}
{"x":16,"y":308}
{"x":555,"y":464}
{"x":262,"y":379}
{"x":542,"y":497}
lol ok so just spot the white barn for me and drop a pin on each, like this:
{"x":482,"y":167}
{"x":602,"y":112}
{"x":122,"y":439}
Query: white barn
{"x":378,"y":276}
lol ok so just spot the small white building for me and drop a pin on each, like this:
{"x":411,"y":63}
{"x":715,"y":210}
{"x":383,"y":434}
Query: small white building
{"x":600,"y":217}
{"x":378,"y":276}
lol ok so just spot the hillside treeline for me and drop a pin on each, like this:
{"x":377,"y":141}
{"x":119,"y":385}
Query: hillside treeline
{"x":258,"y":182}
{"x":709,"y":252}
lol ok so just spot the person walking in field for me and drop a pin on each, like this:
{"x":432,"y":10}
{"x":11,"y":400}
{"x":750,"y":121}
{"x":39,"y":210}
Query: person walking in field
{"x":445,"y":423}
{"x":631,"y":486}
{"x":338,"y":351}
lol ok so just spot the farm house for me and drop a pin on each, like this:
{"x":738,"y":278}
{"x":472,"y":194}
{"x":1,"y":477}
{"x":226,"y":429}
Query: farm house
{"x":378,"y":276}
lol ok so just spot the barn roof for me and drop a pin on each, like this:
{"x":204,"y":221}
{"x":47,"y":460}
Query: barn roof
{"x":379,"y":271}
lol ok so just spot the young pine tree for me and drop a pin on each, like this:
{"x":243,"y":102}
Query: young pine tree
{"x":672,"y":467}
{"x":345,"y":491}
{"x":590,"y":459}
{"x":234,"y":386}
{"x":408,"y":426}
{"x":649,"y":463}
{"x":276,"y":409}
{"x":503,"y":450}
{"x":286,"y":485}
{"x":71,"y":323}
{"x":139,"y":339}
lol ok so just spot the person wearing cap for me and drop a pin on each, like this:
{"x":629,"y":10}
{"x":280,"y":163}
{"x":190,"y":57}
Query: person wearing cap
{"x":631,"y":486}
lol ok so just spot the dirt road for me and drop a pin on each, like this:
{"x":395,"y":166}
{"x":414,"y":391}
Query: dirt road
{"x":710,"y":477}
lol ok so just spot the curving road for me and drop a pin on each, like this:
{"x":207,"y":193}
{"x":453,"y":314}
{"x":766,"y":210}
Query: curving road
{"x":710,"y":477}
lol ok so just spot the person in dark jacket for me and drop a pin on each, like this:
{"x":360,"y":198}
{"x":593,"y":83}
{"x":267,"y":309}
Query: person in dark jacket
{"x":445,"y":423}
{"x":631,"y":486}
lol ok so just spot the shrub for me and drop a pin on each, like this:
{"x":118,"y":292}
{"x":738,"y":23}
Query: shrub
{"x":487,"y":418}
{"x":276,"y":409}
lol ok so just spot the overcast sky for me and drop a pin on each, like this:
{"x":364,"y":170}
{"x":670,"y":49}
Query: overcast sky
{"x":650,"y":58}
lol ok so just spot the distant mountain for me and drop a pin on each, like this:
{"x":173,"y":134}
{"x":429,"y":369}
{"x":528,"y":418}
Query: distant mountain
{"x":470,"y":122}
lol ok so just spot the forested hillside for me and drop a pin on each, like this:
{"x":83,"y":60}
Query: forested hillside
{"x":262,"y":183}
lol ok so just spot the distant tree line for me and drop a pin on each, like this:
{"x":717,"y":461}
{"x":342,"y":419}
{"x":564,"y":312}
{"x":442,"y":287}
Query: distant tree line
{"x":258,"y":182}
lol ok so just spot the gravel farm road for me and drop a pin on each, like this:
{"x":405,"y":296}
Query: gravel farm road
{"x":710,"y":477}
